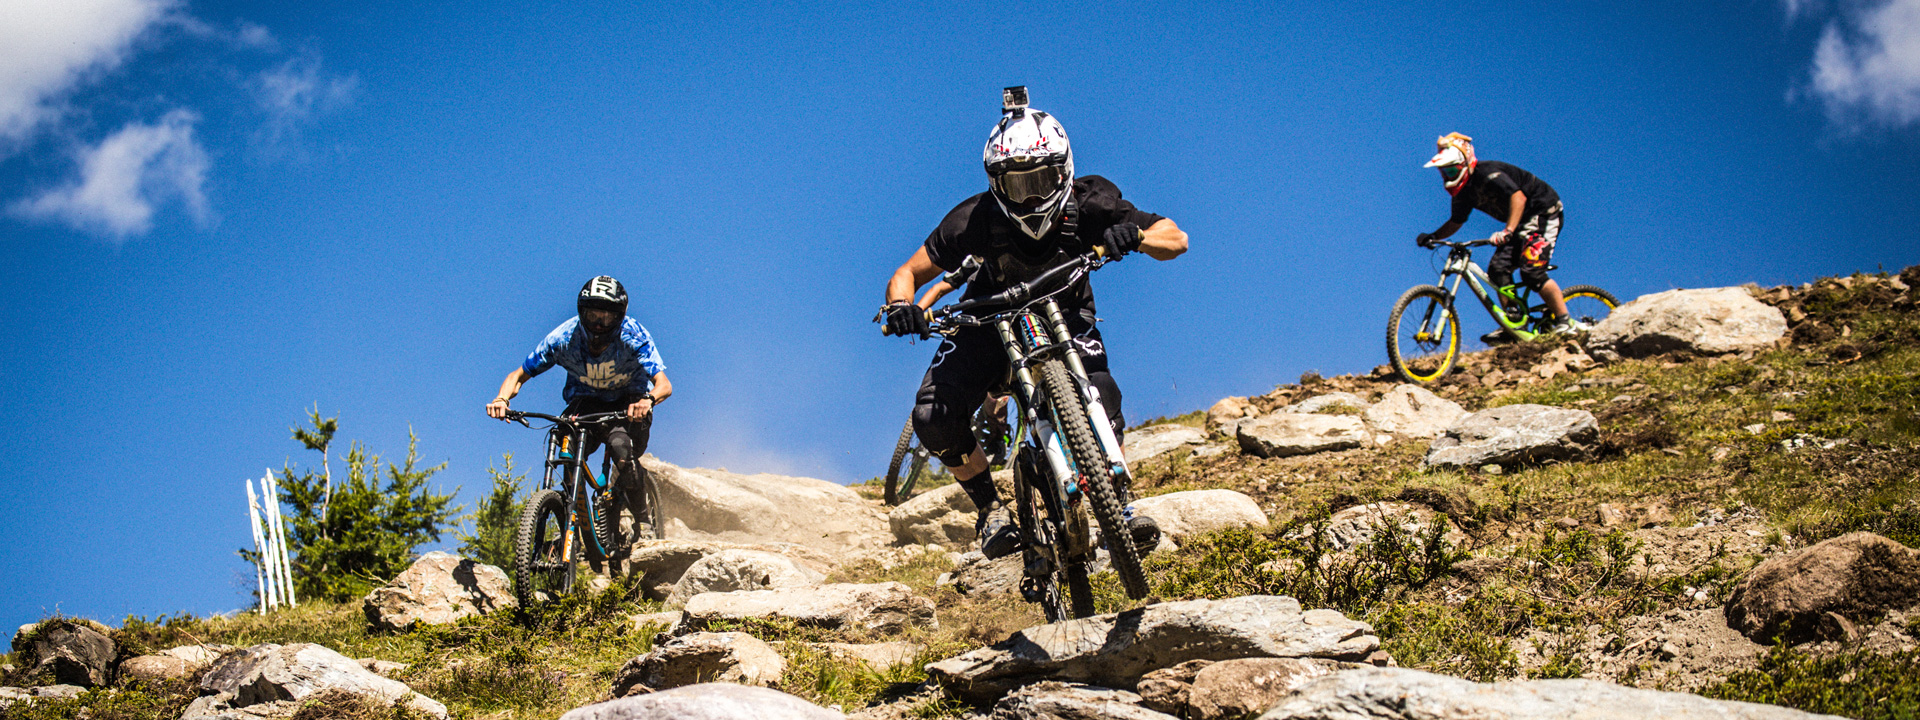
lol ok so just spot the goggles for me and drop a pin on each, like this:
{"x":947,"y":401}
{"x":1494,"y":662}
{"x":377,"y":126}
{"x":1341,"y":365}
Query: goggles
{"x":1451,"y":172}
{"x":600,"y":321}
{"x":1028,"y":185}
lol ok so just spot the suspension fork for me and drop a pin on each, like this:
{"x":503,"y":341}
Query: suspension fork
{"x":1042,"y":431}
{"x":1096,"y":408}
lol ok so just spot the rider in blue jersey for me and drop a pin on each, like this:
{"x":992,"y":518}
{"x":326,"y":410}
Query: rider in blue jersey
{"x":612,"y":365}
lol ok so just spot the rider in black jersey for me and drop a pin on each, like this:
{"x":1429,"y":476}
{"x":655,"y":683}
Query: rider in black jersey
{"x":1529,"y":207}
{"x":1035,"y":215}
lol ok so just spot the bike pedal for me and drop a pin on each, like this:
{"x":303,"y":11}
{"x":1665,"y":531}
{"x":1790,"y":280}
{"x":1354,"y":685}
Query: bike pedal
{"x":1031,"y":591}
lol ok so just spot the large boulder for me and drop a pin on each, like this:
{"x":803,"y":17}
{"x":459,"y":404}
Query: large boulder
{"x":704,"y":504}
{"x":1709,"y":321}
{"x":1283,"y":434}
{"x":734,"y":569}
{"x":941,"y":516}
{"x":1413,"y":411}
{"x":72,"y":652}
{"x":1856,"y":576}
{"x":661,"y":563}
{"x":438,"y":589}
{"x":1328,"y":401}
{"x":1514,"y":434}
{"x":706,"y":701}
{"x":1114,"y":650}
{"x":974,"y":574}
{"x":1245,"y":687}
{"x":835,"y":606}
{"x":270,"y":681}
{"x":1227,"y":412}
{"x":155,"y":668}
{"x":701,"y":657}
{"x":1192,"y":512}
{"x":1154,"y":440}
{"x":1403,"y":694}
{"x":1072,"y":701}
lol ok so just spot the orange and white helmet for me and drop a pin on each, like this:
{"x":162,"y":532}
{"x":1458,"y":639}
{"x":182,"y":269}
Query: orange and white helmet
{"x":1455,"y":160}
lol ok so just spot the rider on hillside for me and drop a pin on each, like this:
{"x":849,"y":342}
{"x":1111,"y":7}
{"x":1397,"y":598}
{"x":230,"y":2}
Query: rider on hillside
{"x":1035,"y":215}
{"x":612,"y":366}
{"x":1529,"y":207}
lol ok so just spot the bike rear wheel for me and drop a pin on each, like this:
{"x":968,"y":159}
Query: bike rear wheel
{"x":1091,"y":462}
{"x":653,"y":515}
{"x":1588,"y":305}
{"x":542,"y":564}
{"x":1423,"y":334}
{"x":1038,"y":530}
{"x":908,"y":464}
{"x":610,"y":538}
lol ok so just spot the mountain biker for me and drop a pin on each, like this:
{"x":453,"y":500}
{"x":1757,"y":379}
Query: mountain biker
{"x":1529,"y":207}
{"x":612,"y":366}
{"x":1035,"y":215}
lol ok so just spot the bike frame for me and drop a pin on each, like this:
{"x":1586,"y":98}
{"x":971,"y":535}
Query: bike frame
{"x":567,"y":474}
{"x":1460,"y":266}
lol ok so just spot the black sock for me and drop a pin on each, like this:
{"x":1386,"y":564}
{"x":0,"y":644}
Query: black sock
{"x":981,"y":490}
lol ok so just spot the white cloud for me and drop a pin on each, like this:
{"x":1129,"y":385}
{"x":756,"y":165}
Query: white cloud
{"x":294,"y":93}
{"x":1866,"y":69}
{"x":47,"y":47}
{"x":127,"y":175}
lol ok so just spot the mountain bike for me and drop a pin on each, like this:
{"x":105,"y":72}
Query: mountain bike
{"x":550,"y":543}
{"x":1423,"y":332}
{"x":910,"y":459}
{"x":1069,"y":456}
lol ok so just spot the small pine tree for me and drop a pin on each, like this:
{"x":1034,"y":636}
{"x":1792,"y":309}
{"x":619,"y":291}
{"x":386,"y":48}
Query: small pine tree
{"x":495,"y":520}
{"x":346,"y":545}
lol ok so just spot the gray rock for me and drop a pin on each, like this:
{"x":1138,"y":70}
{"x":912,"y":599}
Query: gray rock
{"x":730,"y":657}
{"x":976,"y":575}
{"x":1318,"y":403}
{"x":1167,"y":689}
{"x":1245,"y":687}
{"x":1816,"y":591}
{"x":835,"y":606}
{"x":1115,"y":650}
{"x":269,"y":680}
{"x":1403,"y":694}
{"x":1283,"y":434}
{"x":1361,"y":524}
{"x":438,"y":589}
{"x":707,"y":701}
{"x":1413,"y":411}
{"x":155,"y":668}
{"x":1155,"y":440}
{"x":1514,"y":434}
{"x":661,"y":563}
{"x":72,"y":652}
{"x":1710,"y":321}
{"x":733,"y":569}
{"x":941,"y":516}
{"x":198,"y":655}
{"x":1072,"y":701}
{"x":10,"y":696}
{"x":1228,"y":411}
{"x":1192,"y":512}
{"x":703,"y":504}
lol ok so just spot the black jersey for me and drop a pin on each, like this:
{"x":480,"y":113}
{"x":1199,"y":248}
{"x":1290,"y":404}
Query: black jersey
{"x":978,"y":227}
{"x":1491,"y":191}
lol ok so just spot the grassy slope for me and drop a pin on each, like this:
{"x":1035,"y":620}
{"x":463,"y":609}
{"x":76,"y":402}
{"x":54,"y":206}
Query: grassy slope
{"x":1674,"y":432}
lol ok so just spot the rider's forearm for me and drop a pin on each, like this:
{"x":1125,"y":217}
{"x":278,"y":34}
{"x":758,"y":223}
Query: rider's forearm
{"x":511,"y":386}
{"x":934,"y":293}
{"x":662,"y":388}
{"x":1163,"y":240}
{"x":1518,"y":205}
{"x":915,"y":272}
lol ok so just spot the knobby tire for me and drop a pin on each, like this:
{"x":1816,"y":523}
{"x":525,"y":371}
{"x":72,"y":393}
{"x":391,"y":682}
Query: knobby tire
{"x":543,"y":526}
{"x":896,"y":491}
{"x":1070,"y":412}
{"x":1436,"y":301}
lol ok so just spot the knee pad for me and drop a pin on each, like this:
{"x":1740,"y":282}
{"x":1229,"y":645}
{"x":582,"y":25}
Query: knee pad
{"x":948,"y":438}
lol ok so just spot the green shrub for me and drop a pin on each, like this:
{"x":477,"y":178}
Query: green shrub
{"x":497,"y":518}
{"x":1858,"y":683}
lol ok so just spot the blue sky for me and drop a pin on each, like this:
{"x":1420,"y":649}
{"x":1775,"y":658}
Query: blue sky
{"x":214,"y":215}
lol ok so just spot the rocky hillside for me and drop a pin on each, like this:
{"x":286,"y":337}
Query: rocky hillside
{"x":1707,"y":507}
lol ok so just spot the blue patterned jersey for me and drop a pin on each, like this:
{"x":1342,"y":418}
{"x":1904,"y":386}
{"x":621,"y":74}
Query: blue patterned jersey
{"x":626,"y":368}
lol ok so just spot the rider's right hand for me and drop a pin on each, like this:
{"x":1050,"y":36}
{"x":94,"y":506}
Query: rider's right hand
{"x":906,"y":318}
{"x":497,"y":409}
{"x":1424,"y":240}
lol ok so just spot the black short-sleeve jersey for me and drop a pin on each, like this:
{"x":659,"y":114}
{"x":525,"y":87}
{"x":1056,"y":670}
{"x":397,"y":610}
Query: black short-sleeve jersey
{"x":978,"y":227}
{"x":1491,"y":188}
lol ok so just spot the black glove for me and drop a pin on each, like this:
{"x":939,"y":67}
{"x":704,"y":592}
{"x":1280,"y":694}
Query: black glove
{"x":1122,"y":239}
{"x":1424,"y":240}
{"x":905,"y":318}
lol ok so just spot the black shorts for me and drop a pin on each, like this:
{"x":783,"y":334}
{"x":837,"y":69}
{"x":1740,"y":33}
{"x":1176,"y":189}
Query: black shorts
{"x":1530,"y":251}
{"x":624,"y":440}
{"x":971,"y":362}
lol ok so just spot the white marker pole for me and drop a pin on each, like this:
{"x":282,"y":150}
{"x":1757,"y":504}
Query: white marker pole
{"x":259,"y":546}
{"x":270,"y":560}
{"x":280,"y":541}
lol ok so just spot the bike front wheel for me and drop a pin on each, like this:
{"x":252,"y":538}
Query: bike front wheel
{"x":908,"y":464}
{"x":1090,"y":461}
{"x":1423,"y":334}
{"x":543,"y":565}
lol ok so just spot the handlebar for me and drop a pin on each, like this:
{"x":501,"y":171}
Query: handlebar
{"x":1457,"y":244}
{"x":1020,"y":293}
{"x":570,"y":420}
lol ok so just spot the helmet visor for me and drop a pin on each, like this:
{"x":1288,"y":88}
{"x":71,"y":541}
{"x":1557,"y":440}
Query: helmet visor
{"x":1029,"y":185}
{"x":599,"y":322}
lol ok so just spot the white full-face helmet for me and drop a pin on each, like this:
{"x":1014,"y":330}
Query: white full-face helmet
{"x":1029,"y":165}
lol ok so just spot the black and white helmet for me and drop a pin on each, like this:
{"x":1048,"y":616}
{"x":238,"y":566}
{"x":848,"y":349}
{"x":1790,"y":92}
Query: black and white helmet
{"x":1029,"y":166}
{"x":603,"y":306}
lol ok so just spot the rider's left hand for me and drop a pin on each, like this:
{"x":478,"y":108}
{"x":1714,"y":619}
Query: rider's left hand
{"x":1499,"y":237}
{"x":640,"y":408}
{"x":497,"y":409}
{"x":1123,"y":238}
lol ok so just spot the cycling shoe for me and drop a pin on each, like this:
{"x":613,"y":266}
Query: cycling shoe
{"x":998,"y":535}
